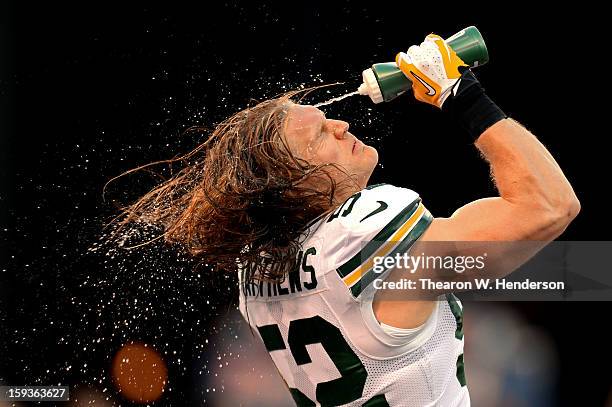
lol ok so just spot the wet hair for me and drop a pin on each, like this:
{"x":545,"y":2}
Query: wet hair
{"x":242,"y":197}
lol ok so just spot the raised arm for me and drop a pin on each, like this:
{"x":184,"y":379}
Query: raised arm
{"x":536,"y":202}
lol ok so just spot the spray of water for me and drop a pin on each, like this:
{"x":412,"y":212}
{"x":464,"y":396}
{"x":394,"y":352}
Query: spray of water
{"x":337,"y":99}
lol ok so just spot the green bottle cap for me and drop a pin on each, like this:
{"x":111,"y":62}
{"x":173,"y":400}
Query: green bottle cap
{"x":391,"y":80}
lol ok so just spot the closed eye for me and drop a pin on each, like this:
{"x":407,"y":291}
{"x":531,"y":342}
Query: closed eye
{"x":321,"y":130}
{"x":317,"y":139}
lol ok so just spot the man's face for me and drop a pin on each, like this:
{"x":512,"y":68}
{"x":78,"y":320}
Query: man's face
{"x":318,"y":140}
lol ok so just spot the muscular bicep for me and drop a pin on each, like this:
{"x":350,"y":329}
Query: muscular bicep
{"x":490,"y":219}
{"x":506,"y":234}
{"x":491,"y":227}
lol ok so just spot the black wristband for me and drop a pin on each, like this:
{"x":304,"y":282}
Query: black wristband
{"x":470,"y":107}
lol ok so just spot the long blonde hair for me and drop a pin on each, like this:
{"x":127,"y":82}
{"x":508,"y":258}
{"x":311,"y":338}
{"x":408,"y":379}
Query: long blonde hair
{"x":240,"y":194}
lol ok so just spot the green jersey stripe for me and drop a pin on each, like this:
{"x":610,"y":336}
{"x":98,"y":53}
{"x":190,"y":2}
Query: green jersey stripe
{"x":402,"y":247}
{"x":372,"y":246}
{"x":376,"y":185}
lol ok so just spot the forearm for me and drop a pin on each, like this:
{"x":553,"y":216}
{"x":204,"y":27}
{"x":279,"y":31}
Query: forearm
{"x":524,"y":172}
{"x":535,"y":205}
{"x":535,"y":202}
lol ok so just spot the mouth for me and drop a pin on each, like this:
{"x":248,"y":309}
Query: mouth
{"x":358,"y":146}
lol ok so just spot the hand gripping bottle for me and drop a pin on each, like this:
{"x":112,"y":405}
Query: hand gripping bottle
{"x":384,"y":82}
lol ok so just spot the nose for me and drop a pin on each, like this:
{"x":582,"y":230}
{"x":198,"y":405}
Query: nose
{"x":340,"y":129}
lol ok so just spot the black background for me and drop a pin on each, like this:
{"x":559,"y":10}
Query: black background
{"x":89,"y":91}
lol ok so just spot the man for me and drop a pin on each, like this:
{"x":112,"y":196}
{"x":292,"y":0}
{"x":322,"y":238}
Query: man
{"x":281,"y":193}
{"x":334,"y":343}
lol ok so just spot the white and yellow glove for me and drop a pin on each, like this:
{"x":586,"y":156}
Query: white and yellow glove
{"x":433,"y":69}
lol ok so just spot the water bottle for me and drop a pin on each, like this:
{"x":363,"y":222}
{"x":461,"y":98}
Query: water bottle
{"x":385,"y":81}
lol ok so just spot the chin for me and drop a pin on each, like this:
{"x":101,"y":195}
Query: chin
{"x":369,"y":162}
{"x":372,"y":156}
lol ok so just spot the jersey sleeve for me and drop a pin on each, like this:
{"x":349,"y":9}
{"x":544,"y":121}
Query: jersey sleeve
{"x":380,"y":220}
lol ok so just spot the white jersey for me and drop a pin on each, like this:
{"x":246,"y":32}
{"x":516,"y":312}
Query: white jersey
{"x":319,"y":327}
